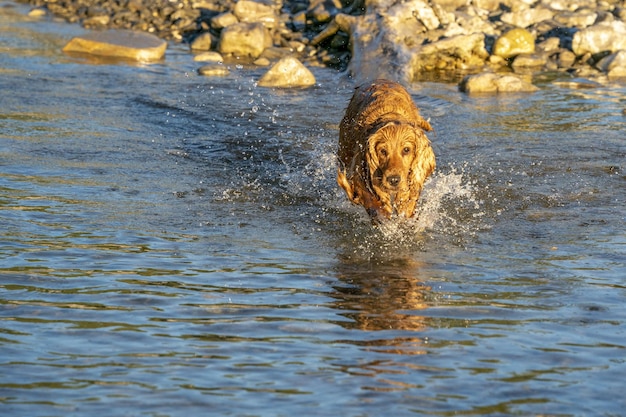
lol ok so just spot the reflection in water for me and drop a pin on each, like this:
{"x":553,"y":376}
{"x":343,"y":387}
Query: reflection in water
{"x":382,"y":296}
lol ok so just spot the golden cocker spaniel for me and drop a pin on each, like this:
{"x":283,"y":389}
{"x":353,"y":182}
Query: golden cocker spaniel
{"x":384,"y":154}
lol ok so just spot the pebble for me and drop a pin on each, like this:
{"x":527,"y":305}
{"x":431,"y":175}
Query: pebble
{"x":213,"y":70}
{"x":209,"y":56}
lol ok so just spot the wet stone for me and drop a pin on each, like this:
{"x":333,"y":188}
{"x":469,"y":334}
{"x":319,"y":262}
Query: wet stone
{"x":289,"y":72}
{"x":126,"y":44}
{"x":213,"y":70}
{"x":209,"y":56}
{"x":495,"y":83}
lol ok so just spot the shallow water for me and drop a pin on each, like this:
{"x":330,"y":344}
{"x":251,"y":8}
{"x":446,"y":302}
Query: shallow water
{"x":176,"y":245}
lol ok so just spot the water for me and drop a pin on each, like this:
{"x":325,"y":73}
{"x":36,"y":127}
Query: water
{"x":174,"y":245}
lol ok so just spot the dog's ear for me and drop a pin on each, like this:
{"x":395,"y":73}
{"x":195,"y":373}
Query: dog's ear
{"x":371,"y":156}
{"x":424,"y":124}
{"x":424,"y":164}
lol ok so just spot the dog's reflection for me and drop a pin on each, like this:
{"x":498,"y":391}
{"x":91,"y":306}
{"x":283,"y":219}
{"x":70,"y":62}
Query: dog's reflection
{"x":382,"y":294}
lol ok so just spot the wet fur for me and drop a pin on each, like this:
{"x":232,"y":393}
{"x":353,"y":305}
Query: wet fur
{"x":384,"y":154}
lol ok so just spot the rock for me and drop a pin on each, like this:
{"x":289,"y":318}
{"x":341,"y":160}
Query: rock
{"x":127,"y":44}
{"x":578,"y":19}
{"x":412,"y":12}
{"x":251,"y":11}
{"x":549,"y":45}
{"x":37,"y":12}
{"x":451,"y":5}
{"x":613,"y":65}
{"x":566,"y":59}
{"x":262,"y":62}
{"x":605,"y":36}
{"x":210,"y":56}
{"x":202,"y":42}
{"x":244,"y":40}
{"x":213,"y":70}
{"x":527,"y":17}
{"x":494,"y":83}
{"x":287,"y":73}
{"x":569,"y":5}
{"x":95,"y":22}
{"x":514,"y":42}
{"x":458,"y":52}
{"x":529,"y":60}
{"x":322,"y":11}
{"x":489,"y":5}
{"x":223,"y":20}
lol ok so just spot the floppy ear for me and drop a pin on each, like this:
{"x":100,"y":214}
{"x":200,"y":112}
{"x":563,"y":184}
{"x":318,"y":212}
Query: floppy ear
{"x":424,"y":124}
{"x":424,"y":162}
{"x":371,"y":156}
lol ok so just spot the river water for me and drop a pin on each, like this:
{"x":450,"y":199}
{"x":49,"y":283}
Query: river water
{"x":174,"y":245}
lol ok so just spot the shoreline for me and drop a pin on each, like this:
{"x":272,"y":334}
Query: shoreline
{"x":443,"y":40}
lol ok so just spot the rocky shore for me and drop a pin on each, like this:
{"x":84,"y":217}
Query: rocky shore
{"x":495,"y":44}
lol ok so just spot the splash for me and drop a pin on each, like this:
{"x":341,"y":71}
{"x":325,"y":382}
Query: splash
{"x":448,"y":209}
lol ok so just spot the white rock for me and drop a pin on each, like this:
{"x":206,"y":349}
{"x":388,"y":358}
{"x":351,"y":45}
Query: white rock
{"x":287,"y":73}
{"x":605,"y":36}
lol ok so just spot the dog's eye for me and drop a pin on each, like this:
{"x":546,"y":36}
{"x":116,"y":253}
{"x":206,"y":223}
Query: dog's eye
{"x":383,"y":152}
{"x":406,"y":150}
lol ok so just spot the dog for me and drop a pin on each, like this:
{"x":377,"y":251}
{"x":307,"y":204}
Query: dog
{"x":384,"y":154}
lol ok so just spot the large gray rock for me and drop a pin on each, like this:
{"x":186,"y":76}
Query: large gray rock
{"x":605,"y":36}
{"x":244,"y":40}
{"x":138,"y":46}
{"x":289,"y":72}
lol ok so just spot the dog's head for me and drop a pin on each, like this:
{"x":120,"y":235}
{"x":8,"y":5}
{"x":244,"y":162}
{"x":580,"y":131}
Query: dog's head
{"x":399,"y":157}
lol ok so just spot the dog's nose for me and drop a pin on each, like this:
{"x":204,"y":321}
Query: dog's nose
{"x":393,"y":180}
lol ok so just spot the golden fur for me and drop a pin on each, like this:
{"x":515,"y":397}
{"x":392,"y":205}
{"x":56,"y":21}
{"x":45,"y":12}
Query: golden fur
{"x":384,"y":154}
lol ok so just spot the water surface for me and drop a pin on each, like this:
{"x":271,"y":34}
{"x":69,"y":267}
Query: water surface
{"x":175,"y":245}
